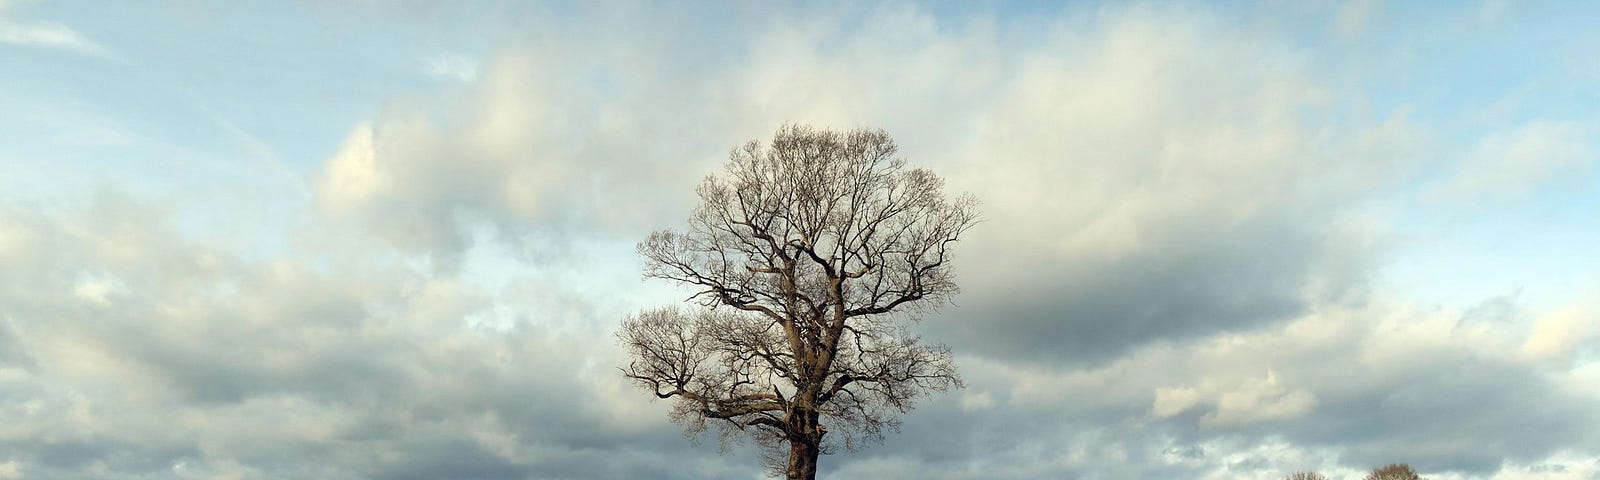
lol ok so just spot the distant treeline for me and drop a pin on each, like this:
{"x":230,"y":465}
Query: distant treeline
{"x":1393,"y":471}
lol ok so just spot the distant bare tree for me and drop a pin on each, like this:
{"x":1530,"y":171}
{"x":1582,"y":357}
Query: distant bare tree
{"x":807,"y":257}
{"x":1306,"y":476}
{"x":1394,"y":471}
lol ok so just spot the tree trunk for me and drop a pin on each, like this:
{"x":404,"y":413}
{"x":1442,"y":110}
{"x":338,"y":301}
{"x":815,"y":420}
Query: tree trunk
{"x":802,"y":461}
{"x":803,"y":451}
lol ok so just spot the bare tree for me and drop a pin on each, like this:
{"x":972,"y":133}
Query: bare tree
{"x":808,"y":258}
{"x":1306,"y":476}
{"x":1394,"y":471}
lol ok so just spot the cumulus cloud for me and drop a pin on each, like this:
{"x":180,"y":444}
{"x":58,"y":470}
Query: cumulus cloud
{"x":1155,"y":179}
{"x":200,"y":362}
{"x":1353,"y":387}
{"x":534,"y":153}
{"x":1153,"y":172}
{"x":1563,"y":335}
{"x":1259,"y":401}
{"x":1172,"y":280}
{"x":1164,"y":182}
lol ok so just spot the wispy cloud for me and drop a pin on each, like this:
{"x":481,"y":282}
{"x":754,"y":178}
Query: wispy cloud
{"x":451,"y":67}
{"x":40,"y":34}
{"x":48,"y":35}
{"x":1515,"y":162}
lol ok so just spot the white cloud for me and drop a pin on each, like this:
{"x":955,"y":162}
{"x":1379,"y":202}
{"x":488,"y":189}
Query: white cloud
{"x":1559,"y":335}
{"x":1511,"y":163}
{"x":533,"y":151}
{"x":1180,"y":167}
{"x":1173,"y":401}
{"x":352,"y":174}
{"x":180,"y":353}
{"x":1259,"y":401}
{"x":47,"y":35}
{"x":971,"y":401}
{"x":97,"y":289}
{"x":451,"y":67}
{"x":1382,"y":382}
{"x":1150,"y":137}
{"x":1171,"y":281}
{"x":1354,"y":16}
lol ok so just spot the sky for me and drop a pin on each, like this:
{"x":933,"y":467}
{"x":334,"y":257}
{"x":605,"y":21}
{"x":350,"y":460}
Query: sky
{"x":370,"y":239}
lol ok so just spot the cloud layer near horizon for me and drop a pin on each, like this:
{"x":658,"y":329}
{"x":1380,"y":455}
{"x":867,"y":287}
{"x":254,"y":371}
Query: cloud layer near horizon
{"x":1187,"y":216}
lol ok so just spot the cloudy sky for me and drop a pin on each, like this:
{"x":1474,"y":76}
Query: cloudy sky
{"x":392,"y":239}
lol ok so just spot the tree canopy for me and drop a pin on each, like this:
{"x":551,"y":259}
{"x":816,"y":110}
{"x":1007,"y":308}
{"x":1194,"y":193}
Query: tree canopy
{"x":807,"y":258}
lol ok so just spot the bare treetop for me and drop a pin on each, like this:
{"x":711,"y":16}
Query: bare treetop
{"x":798,"y":255}
{"x":1394,"y":471}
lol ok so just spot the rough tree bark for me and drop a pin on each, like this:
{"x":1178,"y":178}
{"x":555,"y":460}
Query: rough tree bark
{"x":809,"y":257}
